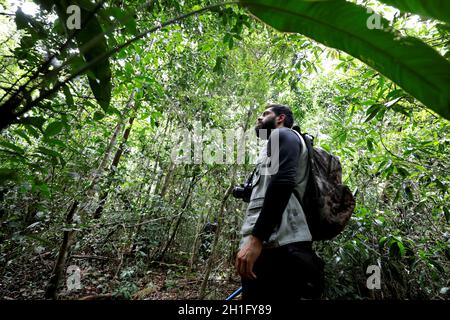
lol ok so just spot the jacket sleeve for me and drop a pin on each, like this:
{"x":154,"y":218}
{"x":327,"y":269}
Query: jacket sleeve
{"x":280,"y":187}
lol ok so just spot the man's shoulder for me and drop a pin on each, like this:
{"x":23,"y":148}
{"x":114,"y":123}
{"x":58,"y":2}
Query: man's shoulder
{"x":287,"y":135}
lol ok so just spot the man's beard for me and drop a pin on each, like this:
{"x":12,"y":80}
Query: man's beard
{"x":264,"y":129}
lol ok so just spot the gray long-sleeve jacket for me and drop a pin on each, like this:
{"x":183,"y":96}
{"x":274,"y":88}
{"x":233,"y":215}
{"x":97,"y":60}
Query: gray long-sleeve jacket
{"x":274,"y":213}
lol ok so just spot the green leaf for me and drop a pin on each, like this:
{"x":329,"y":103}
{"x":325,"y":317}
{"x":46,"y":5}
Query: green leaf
{"x":12,"y":147}
{"x":58,"y":27}
{"x":100,"y":76}
{"x":32,"y":131}
{"x":401,"y":248}
{"x":218,"y":68}
{"x":131,"y":26}
{"x":86,"y":4}
{"x":395,"y":94}
{"x":53,"y":128}
{"x":402,"y":171}
{"x":370,"y":144}
{"x":98,"y":115}
{"x":42,"y":188}
{"x":382,"y":241}
{"x":54,"y":155}
{"x":416,"y":67}
{"x":23,"y":134}
{"x":45,"y":4}
{"x":113,"y":110}
{"x":126,"y":18}
{"x":388,"y":170}
{"x":438,"y":9}
{"x":230,"y":43}
{"x":401,"y":109}
{"x":114,"y":12}
{"x":342,"y":136}
{"x":27,"y":22}
{"x":373,"y":111}
{"x":68,"y":94}
{"x":55,"y":142}
{"x":22,"y":20}
{"x":37,"y":122}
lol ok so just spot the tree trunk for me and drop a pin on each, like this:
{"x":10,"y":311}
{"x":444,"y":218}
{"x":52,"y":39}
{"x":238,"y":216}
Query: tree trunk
{"x":177,"y":224}
{"x":146,"y":178}
{"x":115,"y":163}
{"x":58,"y":270}
{"x":216,"y":241}
{"x":196,"y":243}
{"x":69,"y":236}
{"x":157,"y":162}
{"x":209,"y":263}
{"x":167,"y":179}
{"x":109,"y":148}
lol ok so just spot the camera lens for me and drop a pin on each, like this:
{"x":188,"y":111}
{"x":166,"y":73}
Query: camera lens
{"x":238,"y":192}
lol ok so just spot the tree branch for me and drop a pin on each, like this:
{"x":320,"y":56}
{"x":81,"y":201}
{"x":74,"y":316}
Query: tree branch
{"x":45,"y":94}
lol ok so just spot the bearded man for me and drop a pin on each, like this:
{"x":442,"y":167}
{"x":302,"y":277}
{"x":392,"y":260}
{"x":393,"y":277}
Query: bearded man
{"x":275,"y":259}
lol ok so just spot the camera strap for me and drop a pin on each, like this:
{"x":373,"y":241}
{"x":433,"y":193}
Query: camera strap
{"x":249,"y":180}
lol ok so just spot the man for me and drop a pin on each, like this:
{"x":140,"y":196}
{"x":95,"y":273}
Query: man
{"x":276,"y":260}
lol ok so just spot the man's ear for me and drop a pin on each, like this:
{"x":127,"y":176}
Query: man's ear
{"x":281,"y":118}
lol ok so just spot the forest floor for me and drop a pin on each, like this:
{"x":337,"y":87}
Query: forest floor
{"x":26,"y":279}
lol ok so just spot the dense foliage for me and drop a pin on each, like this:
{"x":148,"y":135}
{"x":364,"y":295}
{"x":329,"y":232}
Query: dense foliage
{"x":90,"y":119}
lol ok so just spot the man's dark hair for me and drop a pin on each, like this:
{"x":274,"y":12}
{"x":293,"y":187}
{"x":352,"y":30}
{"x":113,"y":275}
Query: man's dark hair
{"x":280,"y":109}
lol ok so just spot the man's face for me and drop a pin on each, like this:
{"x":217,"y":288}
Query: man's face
{"x":267,"y":121}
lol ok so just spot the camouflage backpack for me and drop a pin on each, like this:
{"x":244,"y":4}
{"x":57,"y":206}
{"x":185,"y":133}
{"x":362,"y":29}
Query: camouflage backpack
{"x":327,"y":203}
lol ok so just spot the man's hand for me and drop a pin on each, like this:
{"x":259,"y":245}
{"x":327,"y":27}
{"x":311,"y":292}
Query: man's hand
{"x":247,"y":256}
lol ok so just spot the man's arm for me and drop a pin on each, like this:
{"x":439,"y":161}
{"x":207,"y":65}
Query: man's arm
{"x":280,"y":187}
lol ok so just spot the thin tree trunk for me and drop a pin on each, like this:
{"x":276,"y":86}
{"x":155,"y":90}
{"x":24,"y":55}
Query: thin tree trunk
{"x":209,"y":263}
{"x":180,"y":217}
{"x":111,"y":144}
{"x":157,"y":162}
{"x":196,"y":243}
{"x":215,"y":242}
{"x":234,"y":240}
{"x":115,"y":163}
{"x":58,"y":270}
{"x":167,"y":180}
{"x":69,"y":236}
{"x":146,"y":198}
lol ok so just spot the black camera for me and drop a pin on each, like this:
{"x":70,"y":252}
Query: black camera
{"x":243,"y":191}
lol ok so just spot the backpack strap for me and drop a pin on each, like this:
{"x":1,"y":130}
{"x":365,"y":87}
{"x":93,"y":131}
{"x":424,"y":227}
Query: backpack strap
{"x":311,"y":184}
{"x":308,"y":140}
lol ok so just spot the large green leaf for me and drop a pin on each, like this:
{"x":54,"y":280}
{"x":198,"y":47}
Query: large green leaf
{"x":37,"y":122}
{"x":439,"y":9}
{"x":100,"y":73}
{"x":407,"y":61}
{"x":27,"y":22}
{"x":53,"y":128}
{"x":12,"y":147}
